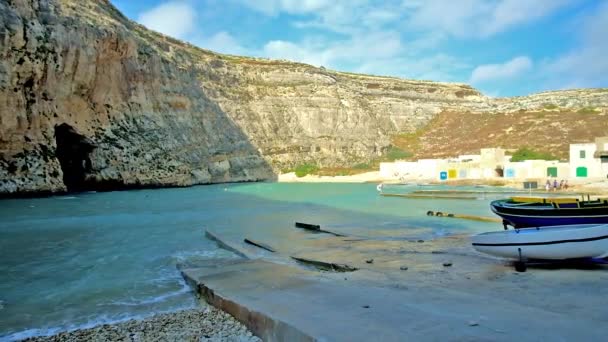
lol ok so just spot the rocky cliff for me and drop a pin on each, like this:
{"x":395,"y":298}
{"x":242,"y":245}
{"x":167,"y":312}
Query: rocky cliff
{"x":90,"y":100}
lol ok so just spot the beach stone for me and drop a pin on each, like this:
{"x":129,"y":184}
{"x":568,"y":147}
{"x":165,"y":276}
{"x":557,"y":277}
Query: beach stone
{"x":403,"y":268}
{"x":369,"y":261}
{"x":208,"y":324}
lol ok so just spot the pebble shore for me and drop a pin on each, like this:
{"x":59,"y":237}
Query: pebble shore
{"x":201,"y":324}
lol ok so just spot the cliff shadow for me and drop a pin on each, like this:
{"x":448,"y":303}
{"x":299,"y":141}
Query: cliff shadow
{"x":73,"y":151}
{"x":178,"y":144}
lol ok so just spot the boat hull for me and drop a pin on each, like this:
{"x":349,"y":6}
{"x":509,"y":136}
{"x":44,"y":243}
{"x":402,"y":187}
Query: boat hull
{"x":540,"y":215}
{"x":548,"y":243}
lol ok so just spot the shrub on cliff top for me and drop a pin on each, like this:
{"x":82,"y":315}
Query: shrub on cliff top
{"x":362,"y":166}
{"x":305,"y":169}
{"x":395,"y":153}
{"x":550,"y":106}
{"x":526,"y":153}
{"x":586,"y":110}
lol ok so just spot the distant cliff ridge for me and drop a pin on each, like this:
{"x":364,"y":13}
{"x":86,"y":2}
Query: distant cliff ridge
{"x":92,"y":101}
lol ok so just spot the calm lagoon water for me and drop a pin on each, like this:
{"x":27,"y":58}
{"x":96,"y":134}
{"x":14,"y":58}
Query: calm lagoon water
{"x":75,"y":261}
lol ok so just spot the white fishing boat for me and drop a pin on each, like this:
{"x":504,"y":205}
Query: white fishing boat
{"x":546,"y":243}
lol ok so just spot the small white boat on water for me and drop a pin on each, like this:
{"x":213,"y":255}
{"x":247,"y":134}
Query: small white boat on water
{"x":546,"y":243}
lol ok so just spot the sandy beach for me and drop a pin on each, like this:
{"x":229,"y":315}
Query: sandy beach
{"x":358,"y":178}
{"x":594,"y":187}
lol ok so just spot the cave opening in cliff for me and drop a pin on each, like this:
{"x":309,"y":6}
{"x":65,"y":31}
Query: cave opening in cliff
{"x":73,"y":151}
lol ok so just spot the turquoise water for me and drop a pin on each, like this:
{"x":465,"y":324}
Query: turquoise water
{"x":76,"y":261}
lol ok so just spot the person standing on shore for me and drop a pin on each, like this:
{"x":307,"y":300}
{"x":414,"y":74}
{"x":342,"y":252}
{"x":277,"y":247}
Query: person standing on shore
{"x":566,"y":185}
{"x":548,"y":185}
{"x":555,"y":184}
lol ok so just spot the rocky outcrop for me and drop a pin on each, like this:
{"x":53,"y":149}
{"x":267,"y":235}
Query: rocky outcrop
{"x":82,"y":66}
{"x":144,"y":109}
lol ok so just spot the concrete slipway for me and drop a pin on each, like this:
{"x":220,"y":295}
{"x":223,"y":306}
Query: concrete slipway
{"x":404,"y":289}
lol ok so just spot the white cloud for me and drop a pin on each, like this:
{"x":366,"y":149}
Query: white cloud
{"x":179,"y":19}
{"x":495,"y":72}
{"x":279,"y":49}
{"x":587,"y":64}
{"x":510,"y":13}
{"x":175,"y":19}
{"x":355,"y":50}
{"x":337,"y":16}
{"x":403,"y":38}
{"x":476,"y":18}
{"x":274,"y":7}
{"x":222,"y":42}
{"x":438,"y":67}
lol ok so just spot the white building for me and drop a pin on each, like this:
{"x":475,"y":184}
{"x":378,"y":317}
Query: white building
{"x":537,"y":169}
{"x":588,"y":160}
{"x":601,"y":152}
{"x":583,"y":164}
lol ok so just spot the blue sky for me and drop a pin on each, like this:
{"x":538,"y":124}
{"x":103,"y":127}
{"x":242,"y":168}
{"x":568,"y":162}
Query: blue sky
{"x":502,"y":47}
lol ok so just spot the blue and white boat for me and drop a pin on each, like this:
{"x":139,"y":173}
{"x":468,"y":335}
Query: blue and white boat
{"x":547,"y":243}
{"x":540,"y":212}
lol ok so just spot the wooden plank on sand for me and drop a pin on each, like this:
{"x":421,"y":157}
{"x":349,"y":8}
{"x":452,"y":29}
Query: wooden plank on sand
{"x":260,"y":245}
{"x":326,"y":266}
{"x":308,"y":226}
{"x":316,"y":228}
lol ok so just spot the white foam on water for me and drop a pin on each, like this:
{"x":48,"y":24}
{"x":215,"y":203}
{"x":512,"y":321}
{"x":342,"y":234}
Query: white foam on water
{"x":203,"y":255}
{"x":103,"y":319}
{"x":151,"y":300}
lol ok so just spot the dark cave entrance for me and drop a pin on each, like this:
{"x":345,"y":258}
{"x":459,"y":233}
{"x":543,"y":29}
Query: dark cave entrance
{"x":73,"y":151}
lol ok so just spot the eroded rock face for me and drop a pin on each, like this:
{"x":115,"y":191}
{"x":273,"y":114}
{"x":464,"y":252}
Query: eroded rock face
{"x":147,"y":115}
{"x":160,"y":112}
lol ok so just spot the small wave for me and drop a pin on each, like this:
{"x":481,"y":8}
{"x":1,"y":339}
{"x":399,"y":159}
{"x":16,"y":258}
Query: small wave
{"x":66,"y":197}
{"x":151,"y":300}
{"x":21,"y":335}
{"x":103,"y":319}
{"x":181,"y":257}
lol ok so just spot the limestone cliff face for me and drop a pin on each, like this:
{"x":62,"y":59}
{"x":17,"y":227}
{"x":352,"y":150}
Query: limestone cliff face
{"x":145,"y":116}
{"x":91,"y":100}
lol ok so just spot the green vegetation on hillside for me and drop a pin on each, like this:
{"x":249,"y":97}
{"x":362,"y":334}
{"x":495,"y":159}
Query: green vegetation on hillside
{"x":525,"y":153}
{"x":395,"y":153}
{"x":587,"y":110}
{"x":362,"y":166}
{"x":392,"y":153}
{"x":306,"y":169}
{"x":550,"y":106}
